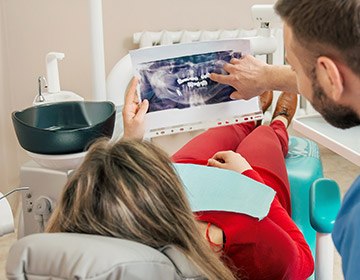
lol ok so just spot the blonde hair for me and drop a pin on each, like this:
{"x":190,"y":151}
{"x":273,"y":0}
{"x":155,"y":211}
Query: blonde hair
{"x":130,"y":190}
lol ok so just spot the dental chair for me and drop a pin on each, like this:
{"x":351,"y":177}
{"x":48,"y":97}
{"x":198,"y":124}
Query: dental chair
{"x":315,"y":203}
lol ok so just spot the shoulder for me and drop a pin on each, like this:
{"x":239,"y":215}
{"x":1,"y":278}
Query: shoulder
{"x":351,"y":202}
{"x":346,"y":233}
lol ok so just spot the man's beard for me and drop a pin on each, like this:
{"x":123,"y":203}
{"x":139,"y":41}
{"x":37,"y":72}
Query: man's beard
{"x":335,"y":114}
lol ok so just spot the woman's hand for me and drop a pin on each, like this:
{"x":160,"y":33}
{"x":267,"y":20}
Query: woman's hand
{"x":229,"y":160}
{"x":134,"y":113}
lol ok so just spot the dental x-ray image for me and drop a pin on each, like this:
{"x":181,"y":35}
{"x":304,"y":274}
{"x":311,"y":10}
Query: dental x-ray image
{"x":175,"y":80}
{"x":183,"y":82}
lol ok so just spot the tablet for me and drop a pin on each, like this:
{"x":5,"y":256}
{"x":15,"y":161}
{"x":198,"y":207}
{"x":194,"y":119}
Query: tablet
{"x":175,"y":80}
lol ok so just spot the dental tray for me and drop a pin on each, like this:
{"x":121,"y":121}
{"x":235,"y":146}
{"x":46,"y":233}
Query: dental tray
{"x":345,"y":142}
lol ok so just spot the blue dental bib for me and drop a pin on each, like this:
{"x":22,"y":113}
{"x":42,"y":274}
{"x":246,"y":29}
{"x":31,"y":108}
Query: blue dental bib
{"x":210,"y":188}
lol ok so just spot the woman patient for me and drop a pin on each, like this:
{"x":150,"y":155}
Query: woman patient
{"x":130,"y":190}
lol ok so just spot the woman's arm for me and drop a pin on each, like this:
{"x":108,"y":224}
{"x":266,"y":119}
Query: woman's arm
{"x":279,"y":216}
{"x":134,"y":113}
{"x":229,"y":160}
{"x":305,"y":260}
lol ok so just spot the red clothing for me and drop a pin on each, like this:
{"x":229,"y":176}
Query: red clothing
{"x":272,"y":248}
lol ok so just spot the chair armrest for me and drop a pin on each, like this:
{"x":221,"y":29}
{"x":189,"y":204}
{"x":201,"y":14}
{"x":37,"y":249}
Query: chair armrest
{"x":324,"y":204}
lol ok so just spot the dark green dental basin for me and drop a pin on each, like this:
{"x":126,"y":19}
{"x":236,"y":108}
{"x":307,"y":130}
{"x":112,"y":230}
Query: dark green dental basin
{"x":64,"y":127}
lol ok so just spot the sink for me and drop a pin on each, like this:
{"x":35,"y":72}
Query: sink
{"x":64,"y":127}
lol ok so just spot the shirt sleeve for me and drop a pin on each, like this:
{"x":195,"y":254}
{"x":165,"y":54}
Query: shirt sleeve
{"x":251,"y":244}
{"x":251,"y":173}
{"x":281,"y":218}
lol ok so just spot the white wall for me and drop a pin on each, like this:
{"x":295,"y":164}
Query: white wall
{"x":31,"y":28}
{"x":8,"y":147}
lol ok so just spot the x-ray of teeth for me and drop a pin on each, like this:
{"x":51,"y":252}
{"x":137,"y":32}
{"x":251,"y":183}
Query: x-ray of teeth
{"x":184,"y":82}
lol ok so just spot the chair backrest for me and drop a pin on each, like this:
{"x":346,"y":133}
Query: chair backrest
{"x":304,"y":166}
{"x":81,"y":256}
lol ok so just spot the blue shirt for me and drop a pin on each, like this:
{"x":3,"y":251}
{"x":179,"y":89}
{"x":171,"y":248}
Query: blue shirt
{"x":346,"y":233}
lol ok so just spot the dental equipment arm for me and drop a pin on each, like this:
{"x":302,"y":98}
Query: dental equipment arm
{"x":6,"y":216}
{"x":12,"y":191}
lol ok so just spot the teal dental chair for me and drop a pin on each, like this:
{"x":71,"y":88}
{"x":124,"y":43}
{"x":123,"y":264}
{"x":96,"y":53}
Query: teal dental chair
{"x":315,"y":203}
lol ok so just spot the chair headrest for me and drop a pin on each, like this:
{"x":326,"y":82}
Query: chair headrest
{"x":184,"y":268}
{"x":82,"y":256}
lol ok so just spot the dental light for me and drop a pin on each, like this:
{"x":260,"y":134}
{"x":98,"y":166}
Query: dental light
{"x":264,"y":42}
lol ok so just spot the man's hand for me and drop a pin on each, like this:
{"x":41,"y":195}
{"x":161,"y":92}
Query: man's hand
{"x":247,"y":75}
{"x":229,"y":160}
{"x":134,"y":113}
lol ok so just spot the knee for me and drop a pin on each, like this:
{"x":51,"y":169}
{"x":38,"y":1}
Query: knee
{"x":276,"y":136}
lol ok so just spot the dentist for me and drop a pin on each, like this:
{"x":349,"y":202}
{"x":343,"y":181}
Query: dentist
{"x":322,"y":42}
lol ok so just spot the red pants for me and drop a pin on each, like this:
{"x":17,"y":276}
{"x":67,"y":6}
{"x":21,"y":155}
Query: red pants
{"x":270,"y":249}
{"x":263,"y":147}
